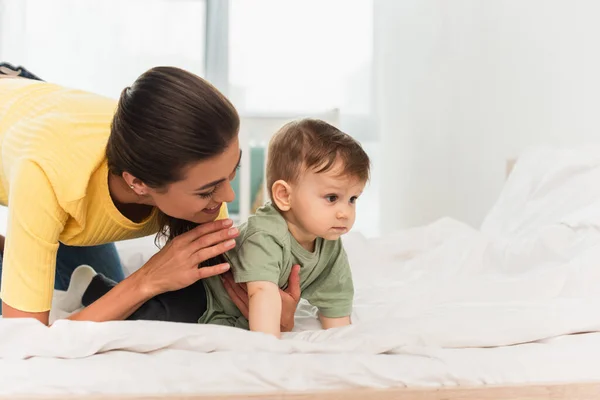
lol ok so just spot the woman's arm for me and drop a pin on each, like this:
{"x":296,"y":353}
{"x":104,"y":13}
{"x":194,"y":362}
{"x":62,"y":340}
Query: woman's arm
{"x":174,"y":267}
{"x":117,"y":304}
{"x":10,"y":312}
{"x":35,"y":221}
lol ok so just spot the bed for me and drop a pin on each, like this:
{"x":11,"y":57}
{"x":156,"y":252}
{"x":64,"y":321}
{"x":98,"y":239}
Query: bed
{"x":444,"y":311}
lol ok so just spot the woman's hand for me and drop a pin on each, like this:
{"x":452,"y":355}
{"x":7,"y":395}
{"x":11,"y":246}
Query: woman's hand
{"x":175,"y":266}
{"x":289,"y":297}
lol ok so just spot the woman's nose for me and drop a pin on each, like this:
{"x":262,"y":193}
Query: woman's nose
{"x":227,"y":194}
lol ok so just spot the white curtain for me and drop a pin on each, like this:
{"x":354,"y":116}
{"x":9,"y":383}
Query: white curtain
{"x":102,"y":45}
{"x":273,"y":58}
{"x":303,"y":56}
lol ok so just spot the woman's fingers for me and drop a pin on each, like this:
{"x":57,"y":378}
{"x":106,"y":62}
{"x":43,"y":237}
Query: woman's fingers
{"x":213,"y":251}
{"x":176,"y":265}
{"x":207,"y":272}
{"x":241,"y":290}
{"x":212,"y":244}
{"x":215,"y":237}
{"x":293,"y":288}
{"x":204,"y":229}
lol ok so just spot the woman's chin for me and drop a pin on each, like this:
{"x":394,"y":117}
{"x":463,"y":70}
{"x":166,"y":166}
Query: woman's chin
{"x":198,"y":218}
{"x":204,"y":218}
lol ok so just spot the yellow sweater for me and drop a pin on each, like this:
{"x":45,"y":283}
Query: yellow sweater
{"x":54,"y":180}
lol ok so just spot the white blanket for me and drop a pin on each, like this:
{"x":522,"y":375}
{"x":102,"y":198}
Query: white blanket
{"x":530,"y":273}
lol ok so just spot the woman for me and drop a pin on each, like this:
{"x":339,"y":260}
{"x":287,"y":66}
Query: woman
{"x":80,"y":171}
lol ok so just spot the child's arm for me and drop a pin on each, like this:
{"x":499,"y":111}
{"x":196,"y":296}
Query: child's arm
{"x":333,"y":291}
{"x":265,"y":307}
{"x":328,"y":323}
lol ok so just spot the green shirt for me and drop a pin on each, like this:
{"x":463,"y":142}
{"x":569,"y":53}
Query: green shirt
{"x":266,"y":251}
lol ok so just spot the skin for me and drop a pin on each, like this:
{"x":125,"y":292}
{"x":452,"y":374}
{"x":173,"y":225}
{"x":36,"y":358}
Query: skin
{"x":197,"y":197}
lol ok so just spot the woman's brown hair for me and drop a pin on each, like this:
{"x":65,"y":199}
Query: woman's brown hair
{"x":167,"y":120}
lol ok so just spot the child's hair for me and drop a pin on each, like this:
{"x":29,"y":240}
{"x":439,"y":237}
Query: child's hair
{"x":313,"y":144}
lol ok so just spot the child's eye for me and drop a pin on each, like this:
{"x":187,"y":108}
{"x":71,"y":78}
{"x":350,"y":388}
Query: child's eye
{"x":353,"y":199}
{"x":331,"y":198}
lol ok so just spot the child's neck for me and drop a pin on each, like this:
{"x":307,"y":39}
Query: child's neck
{"x":305,"y":239}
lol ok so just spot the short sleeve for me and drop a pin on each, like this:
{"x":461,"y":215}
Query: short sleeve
{"x":333,"y":291}
{"x":35,"y":222}
{"x":257,"y":258}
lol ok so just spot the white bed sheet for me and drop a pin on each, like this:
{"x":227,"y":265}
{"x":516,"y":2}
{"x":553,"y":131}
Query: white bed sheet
{"x":565,"y":359}
{"x":440,"y":305}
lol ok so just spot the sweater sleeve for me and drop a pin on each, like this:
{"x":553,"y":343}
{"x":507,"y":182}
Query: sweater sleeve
{"x":35,"y":222}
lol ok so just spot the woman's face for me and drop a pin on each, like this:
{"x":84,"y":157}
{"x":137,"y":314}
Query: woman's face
{"x":206,"y":185}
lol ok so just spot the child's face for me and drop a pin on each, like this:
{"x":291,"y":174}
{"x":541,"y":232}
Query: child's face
{"x":324,"y":204}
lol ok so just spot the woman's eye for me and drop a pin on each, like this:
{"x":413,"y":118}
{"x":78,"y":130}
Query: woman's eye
{"x":207,"y":195}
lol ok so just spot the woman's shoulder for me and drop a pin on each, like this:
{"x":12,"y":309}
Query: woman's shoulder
{"x":29,"y":98}
{"x":63,"y":131}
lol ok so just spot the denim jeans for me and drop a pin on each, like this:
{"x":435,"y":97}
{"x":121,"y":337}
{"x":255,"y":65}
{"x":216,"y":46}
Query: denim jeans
{"x":103,"y":258}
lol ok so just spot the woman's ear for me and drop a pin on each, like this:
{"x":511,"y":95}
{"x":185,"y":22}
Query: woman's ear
{"x":282,"y":195}
{"x":135,"y":184}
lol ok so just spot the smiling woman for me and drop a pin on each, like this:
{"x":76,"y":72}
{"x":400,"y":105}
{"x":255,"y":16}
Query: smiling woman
{"x":210,"y":190}
{"x":76,"y":172}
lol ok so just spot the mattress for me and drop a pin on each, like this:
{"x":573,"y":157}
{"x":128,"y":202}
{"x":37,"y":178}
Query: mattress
{"x":443,"y":305}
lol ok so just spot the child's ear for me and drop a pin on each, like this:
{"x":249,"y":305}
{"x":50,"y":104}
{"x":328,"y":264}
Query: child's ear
{"x":282,"y":195}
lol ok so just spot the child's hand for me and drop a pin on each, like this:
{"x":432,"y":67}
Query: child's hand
{"x":290,"y":298}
